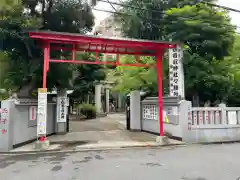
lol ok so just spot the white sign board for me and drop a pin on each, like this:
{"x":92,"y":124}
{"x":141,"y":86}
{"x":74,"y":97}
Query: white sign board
{"x":42,"y":112}
{"x":4,"y":120}
{"x":176,"y":75}
{"x":32,"y":113}
{"x":165,"y":118}
{"x":150,"y":112}
{"x":62,"y":109}
{"x":147,"y":112}
{"x":5,"y":137}
{"x":172,"y":111}
{"x":232,"y":117}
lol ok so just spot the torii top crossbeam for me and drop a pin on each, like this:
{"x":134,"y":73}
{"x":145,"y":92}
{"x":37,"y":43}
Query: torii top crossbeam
{"x":104,"y":44}
{"x":77,"y":42}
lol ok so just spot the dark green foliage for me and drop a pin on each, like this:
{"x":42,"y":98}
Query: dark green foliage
{"x":88,"y":110}
{"x":25,"y":59}
{"x":208,"y":37}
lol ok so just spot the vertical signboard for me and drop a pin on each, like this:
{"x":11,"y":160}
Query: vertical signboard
{"x":5,"y":143}
{"x":32,"y":113}
{"x":4,"y":120}
{"x":176,"y":75}
{"x":42,"y":112}
{"x":62,"y":108}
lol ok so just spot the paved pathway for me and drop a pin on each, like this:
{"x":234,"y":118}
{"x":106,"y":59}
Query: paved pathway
{"x":211,"y":162}
{"x":110,"y":128}
{"x":107,"y":123}
{"x":101,"y":133}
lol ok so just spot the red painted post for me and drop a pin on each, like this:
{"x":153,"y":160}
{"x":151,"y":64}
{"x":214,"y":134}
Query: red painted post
{"x":45,"y":64}
{"x":45,"y":70}
{"x":160,"y":105}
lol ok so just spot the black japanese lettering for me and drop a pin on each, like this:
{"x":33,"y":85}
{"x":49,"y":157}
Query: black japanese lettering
{"x":175,"y":55}
{"x":175,"y":68}
{"x":175,"y":81}
{"x":175,"y":87}
{"x":175,"y":61}
{"x":175,"y":93}
{"x":175,"y":74}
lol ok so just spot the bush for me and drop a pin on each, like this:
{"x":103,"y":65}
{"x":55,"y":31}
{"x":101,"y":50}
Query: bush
{"x":88,"y":110}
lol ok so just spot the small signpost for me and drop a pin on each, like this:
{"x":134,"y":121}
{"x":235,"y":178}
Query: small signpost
{"x":62,"y":108}
{"x":42,"y":112}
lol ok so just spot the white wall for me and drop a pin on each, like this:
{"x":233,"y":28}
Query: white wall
{"x":22,"y":132}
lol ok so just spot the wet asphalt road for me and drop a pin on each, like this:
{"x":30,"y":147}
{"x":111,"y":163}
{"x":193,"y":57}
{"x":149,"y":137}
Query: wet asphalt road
{"x":209,"y":162}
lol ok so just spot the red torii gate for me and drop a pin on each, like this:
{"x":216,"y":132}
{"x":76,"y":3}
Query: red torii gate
{"x":77,"y":42}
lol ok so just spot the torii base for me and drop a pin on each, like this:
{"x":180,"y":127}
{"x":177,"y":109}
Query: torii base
{"x":162,"y":140}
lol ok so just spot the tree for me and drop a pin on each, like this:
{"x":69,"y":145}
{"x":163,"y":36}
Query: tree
{"x":132,"y":78}
{"x":209,"y":37}
{"x":3,"y":68}
{"x":205,"y":80}
{"x":233,"y":63}
{"x":25,"y":59}
{"x":205,"y":30}
{"x":87,"y":76}
{"x":14,"y":44}
{"x":148,"y":23}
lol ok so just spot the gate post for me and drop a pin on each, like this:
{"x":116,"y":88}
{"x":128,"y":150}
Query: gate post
{"x":98,"y":94}
{"x":107,"y":99}
{"x":135,"y":110}
{"x":61,"y":115}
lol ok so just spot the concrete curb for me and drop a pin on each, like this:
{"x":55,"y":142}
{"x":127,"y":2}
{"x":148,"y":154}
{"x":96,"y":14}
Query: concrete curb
{"x":61,"y":150}
{"x":31,"y":152}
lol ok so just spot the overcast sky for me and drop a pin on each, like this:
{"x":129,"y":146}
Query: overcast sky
{"x":229,"y":3}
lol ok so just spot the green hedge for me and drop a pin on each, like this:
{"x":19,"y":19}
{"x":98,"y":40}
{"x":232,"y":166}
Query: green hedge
{"x":88,"y":110}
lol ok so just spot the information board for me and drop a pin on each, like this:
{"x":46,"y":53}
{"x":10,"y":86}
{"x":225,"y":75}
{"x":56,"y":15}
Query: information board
{"x":42,"y":112}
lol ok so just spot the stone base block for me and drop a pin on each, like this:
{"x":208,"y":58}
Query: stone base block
{"x":162,"y":140}
{"x":42,"y":145}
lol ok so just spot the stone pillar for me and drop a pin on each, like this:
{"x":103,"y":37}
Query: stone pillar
{"x":189,"y":134}
{"x":176,"y":74}
{"x":135,"y":110}
{"x":98,"y":103}
{"x":107,"y":100}
{"x":223,"y":113}
{"x":61,"y":118}
{"x":120,"y":102}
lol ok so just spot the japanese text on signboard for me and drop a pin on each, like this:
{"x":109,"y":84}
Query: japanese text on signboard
{"x":175,"y":72}
{"x":4,"y":117}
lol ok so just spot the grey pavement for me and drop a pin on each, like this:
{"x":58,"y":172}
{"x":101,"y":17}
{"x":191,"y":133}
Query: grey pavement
{"x":101,"y":133}
{"x":109,"y":128}
{"x":107,"y":123}
{"x":198,"y":162}
{"x":120,"y":118}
